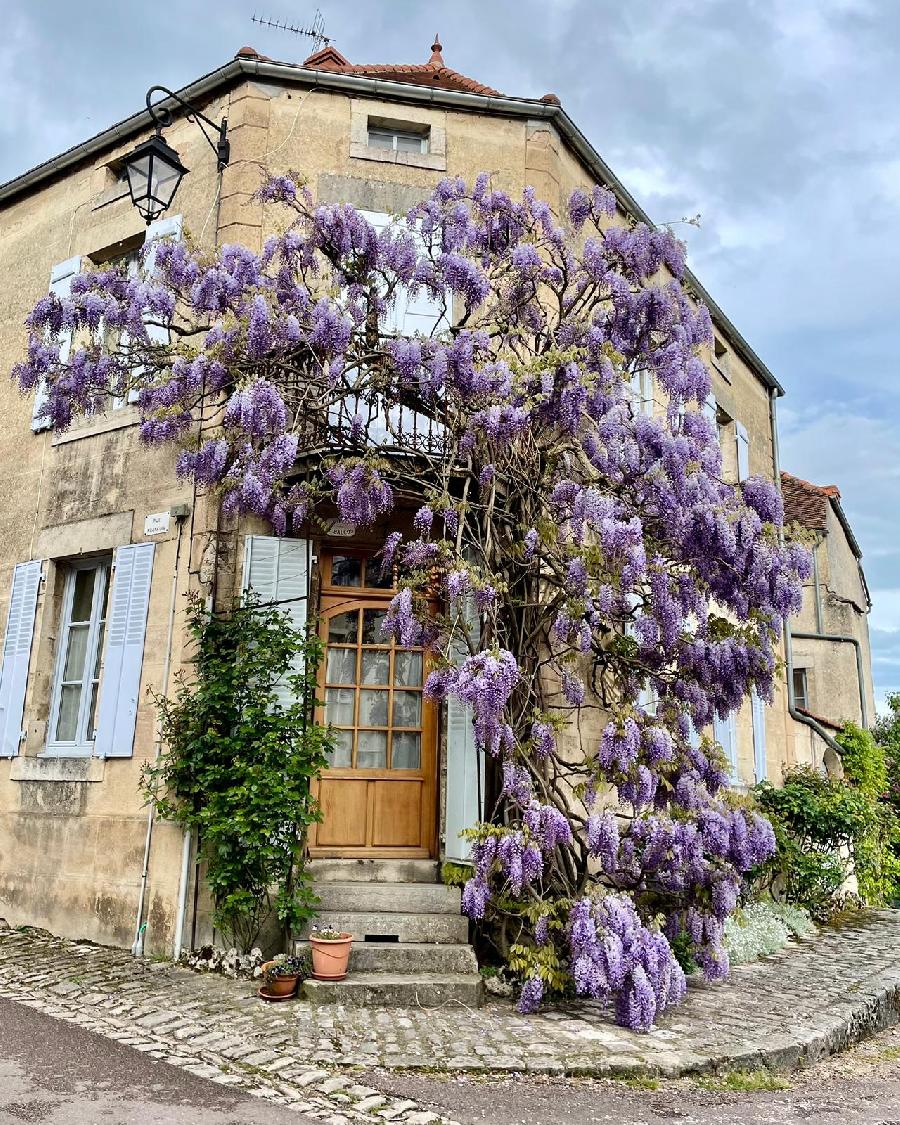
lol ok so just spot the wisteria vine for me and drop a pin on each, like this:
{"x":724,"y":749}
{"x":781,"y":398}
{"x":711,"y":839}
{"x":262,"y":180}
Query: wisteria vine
{"x":606,"y":590}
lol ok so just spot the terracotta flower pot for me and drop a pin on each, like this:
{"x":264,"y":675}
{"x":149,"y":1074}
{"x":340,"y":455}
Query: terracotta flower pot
{"x":330,"y":956}
{"x":281,"y":985}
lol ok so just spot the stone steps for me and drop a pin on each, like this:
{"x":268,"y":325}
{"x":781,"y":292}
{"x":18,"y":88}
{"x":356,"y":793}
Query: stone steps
{"x":445,"y":929}
{"x":374,"y":871}
{"x":408,"y":957}
{"x":389,"y":898}
{"x":396,"y":990}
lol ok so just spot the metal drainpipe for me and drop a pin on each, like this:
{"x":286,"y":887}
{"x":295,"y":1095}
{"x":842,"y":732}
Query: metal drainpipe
{"x":806,"y":720}
{"x":137,"y":947}
{"x":837,"y":639}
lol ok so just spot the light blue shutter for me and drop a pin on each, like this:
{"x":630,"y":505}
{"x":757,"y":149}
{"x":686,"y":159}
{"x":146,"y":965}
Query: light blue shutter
{"x":126,"y":627}
{"x":710,"y":411}
{"x":61,"y":284}
{"x":170,"y":227}
{"x":758,"y":712}
{"x":277,"y":571}
{"x":743,"y":450}
{"x":16,"y":654}
{"x":465,"y":765}
{"x":725,"y":733}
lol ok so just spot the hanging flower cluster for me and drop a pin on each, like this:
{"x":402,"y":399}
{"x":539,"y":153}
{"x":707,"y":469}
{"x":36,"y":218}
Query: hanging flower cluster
{"x":607,"y":592}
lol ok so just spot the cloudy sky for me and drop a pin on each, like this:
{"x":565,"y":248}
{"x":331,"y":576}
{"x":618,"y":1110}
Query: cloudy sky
{"x":777,"y":120}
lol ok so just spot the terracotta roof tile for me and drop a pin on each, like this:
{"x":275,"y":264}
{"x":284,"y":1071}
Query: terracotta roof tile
{"x":806,"y":503}
{"x":433,"y":73}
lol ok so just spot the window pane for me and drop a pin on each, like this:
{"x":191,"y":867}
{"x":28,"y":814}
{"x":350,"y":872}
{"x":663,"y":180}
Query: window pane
{"x":409,"y":142}
{"x":408,"y":669}
{"x":67,"y":723}
{"x":371,"y":633}
{"x":371,"y":751}
{"x":342,"y":754}
{"x":376,"y":666}
{"x":93,"y":712}
{"x":346,"y":571}
{"x":380,"y":139}
{"x":339,"y":706}
{"x":343,"y":628}
{"x":341,"y":666}
{"x":373,"y":708}
{"x":73,"y":669}
{"x":406,"y":753}
{"x":84,"y":595}
{"x":407,"y":709}
{"x":374,"y":579}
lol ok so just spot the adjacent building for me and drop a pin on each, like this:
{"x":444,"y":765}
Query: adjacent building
{"x":99,"y":541}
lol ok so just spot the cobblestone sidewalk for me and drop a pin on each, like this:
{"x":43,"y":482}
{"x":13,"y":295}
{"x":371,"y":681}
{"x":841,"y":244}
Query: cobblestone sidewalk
{"x":791,"y":1009}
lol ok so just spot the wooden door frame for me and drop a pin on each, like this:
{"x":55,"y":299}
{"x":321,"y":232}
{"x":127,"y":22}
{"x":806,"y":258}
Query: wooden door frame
{"x":338,"y":599}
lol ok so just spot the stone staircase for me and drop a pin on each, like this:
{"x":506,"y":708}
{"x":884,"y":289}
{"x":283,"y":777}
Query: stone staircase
{"x":410,"y":941}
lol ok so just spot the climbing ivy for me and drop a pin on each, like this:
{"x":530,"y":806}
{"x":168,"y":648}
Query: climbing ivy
{"x":238,"y":764}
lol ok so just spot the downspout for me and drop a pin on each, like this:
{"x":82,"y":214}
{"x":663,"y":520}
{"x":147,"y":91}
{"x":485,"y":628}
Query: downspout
{"x":796,"y":715}
{"x":137,"y":947}
{"x":837,"y":639}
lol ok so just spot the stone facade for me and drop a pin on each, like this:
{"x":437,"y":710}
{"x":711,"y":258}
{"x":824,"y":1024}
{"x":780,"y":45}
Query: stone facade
{"x":76,"y":851}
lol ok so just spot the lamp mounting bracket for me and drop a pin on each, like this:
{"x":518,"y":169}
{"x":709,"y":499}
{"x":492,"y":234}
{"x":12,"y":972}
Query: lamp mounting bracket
{"x":216,"y":135}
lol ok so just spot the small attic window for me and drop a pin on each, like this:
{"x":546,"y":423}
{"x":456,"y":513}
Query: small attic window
{"x":396,"y":138}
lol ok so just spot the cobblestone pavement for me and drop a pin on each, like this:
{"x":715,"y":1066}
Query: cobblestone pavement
{"x":791,"y":1009}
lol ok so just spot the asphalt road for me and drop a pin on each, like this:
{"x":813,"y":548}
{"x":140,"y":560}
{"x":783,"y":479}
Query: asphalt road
{"x":54,"y":1073}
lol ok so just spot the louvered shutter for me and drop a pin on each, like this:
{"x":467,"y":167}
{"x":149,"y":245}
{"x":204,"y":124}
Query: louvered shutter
{"x":743,"y":450}
{"x":465,"y":765}
{"x":758,"y":712}
{"x":61,"y":284}
{"x":711,"y":411}
{"x":725,"y":733}
{"x":170,"y":227}
{"x":126,"y":627}
{"x":277,"y":571}
{"x":17,"y":654}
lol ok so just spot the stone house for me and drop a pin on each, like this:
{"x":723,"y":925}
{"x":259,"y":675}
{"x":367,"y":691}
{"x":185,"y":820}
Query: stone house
{"x":832,"y":661}
{"x":100,"y":542}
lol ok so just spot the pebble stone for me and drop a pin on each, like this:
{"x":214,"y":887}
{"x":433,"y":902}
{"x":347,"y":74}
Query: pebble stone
{"x":811,"y":999}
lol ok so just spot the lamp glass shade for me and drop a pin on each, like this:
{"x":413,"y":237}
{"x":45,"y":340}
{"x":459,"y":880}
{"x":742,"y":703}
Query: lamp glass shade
{"x":154,"y":171}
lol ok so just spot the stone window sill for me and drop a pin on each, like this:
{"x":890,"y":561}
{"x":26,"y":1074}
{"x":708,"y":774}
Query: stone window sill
{"x":115,"y":420}
{"x":57,"y":769}
{"x":433,"y":161}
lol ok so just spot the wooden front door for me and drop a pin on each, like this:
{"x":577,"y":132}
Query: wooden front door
{"x":378,"y":795}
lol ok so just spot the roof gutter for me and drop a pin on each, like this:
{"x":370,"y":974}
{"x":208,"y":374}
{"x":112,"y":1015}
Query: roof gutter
{"x":498,"y":105}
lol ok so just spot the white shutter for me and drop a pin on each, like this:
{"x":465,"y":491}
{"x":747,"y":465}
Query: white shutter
{"x":61,"y":284}
{"x":126,"y":626}
{"x":465,"y":764}
{"x":710,"y":411}
{"x":17,"y":654}
{"x":725,"y":733}
{"x":277,"y":571}
{"x":758,"y":712}
{"x":743,"y":450}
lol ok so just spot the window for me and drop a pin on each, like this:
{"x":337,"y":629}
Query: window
{"x":397,"y":140}
{"x":80,"y":649}
{"x":742,"y":439}
{"x":801,"y":689}
{"x":129,"y":264}
{"x":720,"y":359}
{"x":640,"y":392}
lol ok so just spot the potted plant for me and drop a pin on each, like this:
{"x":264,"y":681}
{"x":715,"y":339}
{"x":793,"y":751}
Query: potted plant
{"x":330,"y":953}
{"x":280,"y":975}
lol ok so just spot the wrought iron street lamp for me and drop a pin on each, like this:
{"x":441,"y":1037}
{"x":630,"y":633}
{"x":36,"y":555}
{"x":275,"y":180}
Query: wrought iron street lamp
{"x":154,"y":168}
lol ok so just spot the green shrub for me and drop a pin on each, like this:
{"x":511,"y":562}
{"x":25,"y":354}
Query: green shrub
{"x":762,"y":928}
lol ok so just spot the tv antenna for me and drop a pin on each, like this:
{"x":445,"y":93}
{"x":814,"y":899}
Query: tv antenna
{"x":315,"y":31}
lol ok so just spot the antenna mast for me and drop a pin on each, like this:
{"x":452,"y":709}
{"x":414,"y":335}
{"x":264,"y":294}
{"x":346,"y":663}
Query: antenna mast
{"x":315,"y":31}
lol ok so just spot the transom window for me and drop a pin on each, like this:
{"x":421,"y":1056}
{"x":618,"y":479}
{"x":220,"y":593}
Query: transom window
{"x":77,"y":678}
{"x":398,"y":140}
